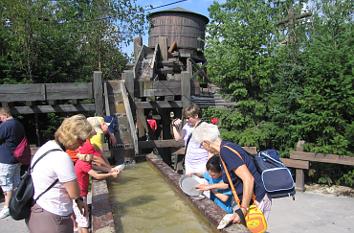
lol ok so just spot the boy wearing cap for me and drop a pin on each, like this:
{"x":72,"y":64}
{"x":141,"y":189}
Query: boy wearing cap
{"x":97,"y":141}
{"x":83,"y":169}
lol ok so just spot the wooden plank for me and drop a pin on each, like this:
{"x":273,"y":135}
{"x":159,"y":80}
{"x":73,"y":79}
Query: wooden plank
{"x":173,"y":46}
{"x":128,"y":77}
{"x":98,"y":92}
{"x":22,"y":92}
{"x":158,"y":88}
{"x":324,"y":158}
{"x":55,"y":108}
{"x":68,"y":91}
{"x":163,"y":47}
{"x":130,"y":117}
{"x":154,"y":57}
{"x":294,"y":163}
{"x":141,"y":122}
{"x":169,"y":143}
{"x":186,"y":88}
{"x":159,"y":104}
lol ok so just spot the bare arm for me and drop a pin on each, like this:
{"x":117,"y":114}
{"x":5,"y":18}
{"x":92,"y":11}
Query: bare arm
{"x":248,"y":183}
{"x":112,"y":138}
{"x":177,"y":129}
{"x":205,"y":187}
{"x":221,"y":196}
{"x":72,"y":187}
{"x":102,"y":176}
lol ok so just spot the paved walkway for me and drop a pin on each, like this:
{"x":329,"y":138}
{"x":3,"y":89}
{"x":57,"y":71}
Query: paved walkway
{"x":8,"y":225}
{"x":309,"y":213}
{"x":312,"y":213}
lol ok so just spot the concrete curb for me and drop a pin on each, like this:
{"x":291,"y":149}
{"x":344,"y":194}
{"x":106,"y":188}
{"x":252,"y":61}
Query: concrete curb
{"x":102,"y":216}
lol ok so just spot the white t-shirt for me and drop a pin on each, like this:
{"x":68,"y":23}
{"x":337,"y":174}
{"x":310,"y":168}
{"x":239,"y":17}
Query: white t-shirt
{"x":196,"y":157}
{"x":54,"y":165}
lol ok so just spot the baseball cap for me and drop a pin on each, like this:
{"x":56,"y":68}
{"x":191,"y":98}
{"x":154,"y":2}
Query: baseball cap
{"x":111,"y":123}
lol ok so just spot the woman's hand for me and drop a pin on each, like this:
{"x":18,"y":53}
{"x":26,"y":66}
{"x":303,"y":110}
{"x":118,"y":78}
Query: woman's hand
{"x":177,"y":122}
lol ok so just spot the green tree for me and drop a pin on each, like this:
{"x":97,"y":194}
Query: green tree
{"x":64,"y":41}
{"x":325,"y":114}
{"x":301,"y":89}
{"x":239,"y":52}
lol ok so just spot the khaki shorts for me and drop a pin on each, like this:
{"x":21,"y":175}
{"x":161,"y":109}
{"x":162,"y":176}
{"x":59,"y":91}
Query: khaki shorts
{"x":9,"y":176}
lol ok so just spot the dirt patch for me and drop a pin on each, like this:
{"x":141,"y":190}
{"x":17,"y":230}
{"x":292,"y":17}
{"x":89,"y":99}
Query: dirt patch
{"x":334,"y":190}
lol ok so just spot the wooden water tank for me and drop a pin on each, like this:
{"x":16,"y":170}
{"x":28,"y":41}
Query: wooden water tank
{"x":185,"y":27}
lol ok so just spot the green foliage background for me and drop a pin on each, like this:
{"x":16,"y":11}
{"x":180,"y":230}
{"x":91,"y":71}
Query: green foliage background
{"x":284,"y":92}
{"x":65,"y":41}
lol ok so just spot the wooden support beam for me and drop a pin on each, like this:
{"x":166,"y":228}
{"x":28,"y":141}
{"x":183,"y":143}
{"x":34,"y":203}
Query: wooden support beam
{"x":98,"y":92}
{"x":53,"y":108}
{"x":129,"y":114}
{"x":22,"y":92}
{"x":163,"y":47}
{"x":186,"y":88}
{"x":300,"y":180}
{"x":159,"y":104}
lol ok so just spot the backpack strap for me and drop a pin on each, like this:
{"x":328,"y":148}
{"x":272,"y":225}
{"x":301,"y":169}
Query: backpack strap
{"x":190,"y":136}
{"x":55,"y":181}
{"x":40,"y":157}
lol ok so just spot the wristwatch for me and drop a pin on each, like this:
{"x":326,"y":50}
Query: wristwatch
{"x":79,"y":199}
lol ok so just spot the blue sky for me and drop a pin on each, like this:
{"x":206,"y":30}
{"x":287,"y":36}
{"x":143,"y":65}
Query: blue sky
{"x":198,"y":6}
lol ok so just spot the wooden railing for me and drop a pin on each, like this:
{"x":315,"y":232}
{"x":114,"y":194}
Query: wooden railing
{"x":54,"y":97}
{"x":300,"y":160}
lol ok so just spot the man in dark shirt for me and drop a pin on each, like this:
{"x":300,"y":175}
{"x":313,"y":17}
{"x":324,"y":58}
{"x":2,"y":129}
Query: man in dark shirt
{"x":11,"y":134}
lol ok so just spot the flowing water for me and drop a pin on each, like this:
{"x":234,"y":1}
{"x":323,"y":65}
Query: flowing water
{"x":143,"y":202}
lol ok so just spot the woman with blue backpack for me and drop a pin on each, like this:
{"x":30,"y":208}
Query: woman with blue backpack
{"x":239,"y":168}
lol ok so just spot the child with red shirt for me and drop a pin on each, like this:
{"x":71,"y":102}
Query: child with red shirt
{"x":83,"y":170}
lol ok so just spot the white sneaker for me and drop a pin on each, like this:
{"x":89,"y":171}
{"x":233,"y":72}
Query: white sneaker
{"x":4,"y":213}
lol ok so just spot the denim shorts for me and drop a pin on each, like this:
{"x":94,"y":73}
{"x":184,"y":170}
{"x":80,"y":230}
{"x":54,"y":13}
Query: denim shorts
{"x":9,"y":176}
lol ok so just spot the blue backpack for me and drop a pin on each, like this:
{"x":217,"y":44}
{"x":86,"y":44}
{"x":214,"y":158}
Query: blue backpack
{"x":276,"y":177}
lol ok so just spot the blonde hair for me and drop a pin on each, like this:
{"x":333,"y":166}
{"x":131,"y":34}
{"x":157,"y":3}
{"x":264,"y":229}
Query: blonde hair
{"x":96,"y":123}
{"x":5,"y":111}
{"x":206,"y":132}
{"x":72,"y":130}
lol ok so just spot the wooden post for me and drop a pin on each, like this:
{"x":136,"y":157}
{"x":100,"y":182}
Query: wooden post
{"x":186,"y":88}
{"x":163,"y":47}
{"x":128,"y":77}
{"x":300,"y":176}
{"x":98,"y":92}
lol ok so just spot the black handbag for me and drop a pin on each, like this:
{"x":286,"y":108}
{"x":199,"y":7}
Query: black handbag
{"x":22,"y":199}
